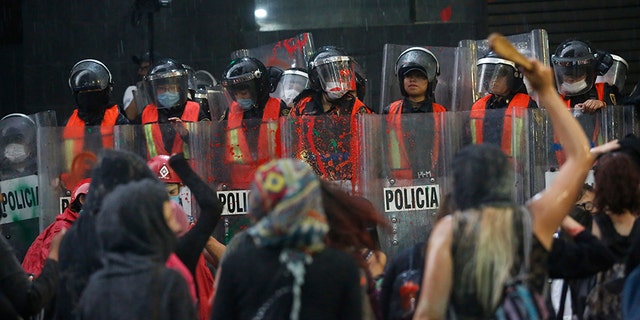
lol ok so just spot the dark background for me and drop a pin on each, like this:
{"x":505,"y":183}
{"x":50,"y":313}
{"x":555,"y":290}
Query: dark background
{"x":40,"y":40}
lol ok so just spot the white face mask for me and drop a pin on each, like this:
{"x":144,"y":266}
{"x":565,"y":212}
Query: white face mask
{"x":15,"y":152}
{"x":289,"y":94}
{"x":573,"y":87}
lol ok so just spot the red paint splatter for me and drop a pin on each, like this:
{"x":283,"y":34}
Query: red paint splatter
{"x":445,"y":14}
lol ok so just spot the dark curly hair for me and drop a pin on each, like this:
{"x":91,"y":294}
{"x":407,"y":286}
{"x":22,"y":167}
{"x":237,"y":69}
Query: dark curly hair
{"x":617,"y":184}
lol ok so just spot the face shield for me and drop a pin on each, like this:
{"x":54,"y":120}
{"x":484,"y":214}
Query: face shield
{"x":291,"y":84}
{"x":336,"y":76}
{"x":617,"y":74}
{"x":244,"y":93}
{"x":574,"y":76}
{"x":168,"y":89}
{"x":496,"y":76}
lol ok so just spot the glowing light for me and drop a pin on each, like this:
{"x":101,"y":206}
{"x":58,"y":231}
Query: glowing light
{"x":260,"y":13}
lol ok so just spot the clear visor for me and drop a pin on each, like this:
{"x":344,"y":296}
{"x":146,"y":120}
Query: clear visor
{"x":244,"y":90}
{"x":574,"y":79}
{"x":162,"y":88}
{"x":498,"y":79}
{"x":291,"y":84}
{"x":336,"y":75}
{"x":617,"y":74}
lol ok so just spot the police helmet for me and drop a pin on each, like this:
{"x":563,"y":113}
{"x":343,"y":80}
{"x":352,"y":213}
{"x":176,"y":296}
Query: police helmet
{"x":617,"y":73}
{"x":332,"y":71}
{"x":90,"y":75}
{"x":167,"y":82}
{"x":247,"y":73}
{"x":17,"y":138}
{"x":421,"y":59}
{"x":292,"y":82}
{"x":574,"y":66}
{"x":498,"y":76}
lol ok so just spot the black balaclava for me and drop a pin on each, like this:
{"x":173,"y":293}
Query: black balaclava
{"x":482,"y":175}
{"x":92,"y":105}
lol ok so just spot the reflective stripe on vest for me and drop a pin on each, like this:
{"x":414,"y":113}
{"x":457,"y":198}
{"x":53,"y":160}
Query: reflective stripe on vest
{"x":242,"y":163}
{"x":73,"y":133}
{"x":399,"y":158}
{"x":153,"y":134}
{"x":518,"y":104}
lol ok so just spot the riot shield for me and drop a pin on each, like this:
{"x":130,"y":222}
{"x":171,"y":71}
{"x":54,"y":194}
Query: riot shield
{"x":20,"y":205}
{"x":510,"y":129}
{"x":611,"y":122}
{"x":64,"y":159}
{"x":288,"y":53}
{"x":453,"y":89}
{"x":534,"y":44}
{"x":237,"y":148}
{"x":329,"y":144}
{"x":405,"y":170}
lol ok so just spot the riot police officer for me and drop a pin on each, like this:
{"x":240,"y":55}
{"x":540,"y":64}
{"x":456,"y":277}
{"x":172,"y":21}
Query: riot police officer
{"x":417,"y":70}
{"x":576,"y":66}
{"x":332,"y":86}
{"x":504,"y":91}
{"x":292,"y":82}
{"x":167,"y":83}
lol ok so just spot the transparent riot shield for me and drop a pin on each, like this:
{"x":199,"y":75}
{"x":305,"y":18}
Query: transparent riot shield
{"x":453,"y":90}
{"x":20,"y":205}
{"x":611,"y":122}
{"x":65,"y":157}
{"x":534,"y":44}
{"x":510,"y":129}
{"x":405,"y":170}
{"x":288,"y":53}
{"x":141,"y":96}
{"x":237,"y":149}
{"x":329,"y":144}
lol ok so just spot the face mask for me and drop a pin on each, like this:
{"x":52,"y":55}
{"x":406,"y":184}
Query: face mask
{"x":176,"y":199}
{"x":289,"y":95}
{"x":168,"y":99}
{"x":573,"y":87}
{"x":335,"y":95}
{"x":15,"y":153}
{"x":245,"y":104}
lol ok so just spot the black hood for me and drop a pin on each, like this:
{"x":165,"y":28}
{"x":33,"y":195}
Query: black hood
{"x":131,"y":223}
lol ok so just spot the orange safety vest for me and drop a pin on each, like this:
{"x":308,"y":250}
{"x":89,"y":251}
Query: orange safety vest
{"x":519,"y":104}
{"x":399,"y":158}
{"x":74,"y":131}
{"x":354,"y":145}
{"x":239,"y":157}
{"x":153,"y":135}
{"x":596,"y":138}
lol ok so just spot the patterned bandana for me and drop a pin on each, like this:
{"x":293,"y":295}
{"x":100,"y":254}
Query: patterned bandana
{"x":286,"y":202}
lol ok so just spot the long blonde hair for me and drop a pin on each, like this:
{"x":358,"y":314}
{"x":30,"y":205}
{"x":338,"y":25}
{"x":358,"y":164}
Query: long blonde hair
{"x":491,"y":228}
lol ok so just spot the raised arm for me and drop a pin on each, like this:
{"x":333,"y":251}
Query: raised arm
{"x":190,"y":245}
{"x":551,"y":205}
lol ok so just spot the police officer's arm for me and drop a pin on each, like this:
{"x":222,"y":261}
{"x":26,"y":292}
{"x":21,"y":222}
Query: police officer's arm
{"x":189,"y":246}
{"x":550,"y":206}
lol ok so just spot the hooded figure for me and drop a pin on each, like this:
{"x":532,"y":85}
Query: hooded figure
{"x":136,"y":241}
{"x":79,"y":252}
{"x":285,"y":271}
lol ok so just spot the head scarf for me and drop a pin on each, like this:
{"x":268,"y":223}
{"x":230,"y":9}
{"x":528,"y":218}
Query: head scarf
{"x":286,"y":202}
{"x":482,"y":175}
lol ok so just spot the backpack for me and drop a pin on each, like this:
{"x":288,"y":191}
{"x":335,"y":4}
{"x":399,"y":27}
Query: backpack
{"x":406,"y":289}
{"x":518,"y":300}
